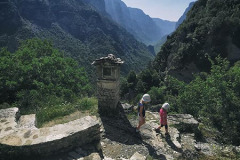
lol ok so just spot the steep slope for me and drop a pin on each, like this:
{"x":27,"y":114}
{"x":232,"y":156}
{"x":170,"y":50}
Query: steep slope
{"x":171,"y":27}
{"x":183,"y":17}
{"x":166,"y":26}
{"x":99,"y":5}
{"x":211,"y":28}
{"x":74,"y":27}
{"x":134,"y":21}
{"x":157,"y":47}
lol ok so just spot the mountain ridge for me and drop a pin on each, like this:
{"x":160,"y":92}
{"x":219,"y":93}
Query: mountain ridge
{"x":183,"y":17}
{"x":211,"y":29}
{"x":75,"y":28}
{"x":134,"y":20}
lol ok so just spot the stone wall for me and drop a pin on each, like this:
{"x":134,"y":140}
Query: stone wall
{"x":23,"y":139}
{"x":108,"y":96}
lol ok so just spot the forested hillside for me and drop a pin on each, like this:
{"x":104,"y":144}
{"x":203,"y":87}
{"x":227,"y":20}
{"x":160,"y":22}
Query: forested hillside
{"x":74,"y":27}
{"x":197,"y":70}
{"x":211,"y":28}
{"x":183,"y":17}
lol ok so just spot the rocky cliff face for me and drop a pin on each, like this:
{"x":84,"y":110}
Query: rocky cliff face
{"x":74,"y":27}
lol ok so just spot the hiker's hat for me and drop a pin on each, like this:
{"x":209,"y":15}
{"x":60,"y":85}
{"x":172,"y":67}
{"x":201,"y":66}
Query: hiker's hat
{"x":146,"y":98}
{"x":165,"y":106}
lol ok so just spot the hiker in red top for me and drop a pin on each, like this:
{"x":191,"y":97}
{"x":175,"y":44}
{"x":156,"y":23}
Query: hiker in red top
{"x":163,"y":117}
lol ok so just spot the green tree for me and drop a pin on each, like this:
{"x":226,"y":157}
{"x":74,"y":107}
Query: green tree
{"x":215,"y":98}
{"x":132,"y":80}
{"x":37,"y":70}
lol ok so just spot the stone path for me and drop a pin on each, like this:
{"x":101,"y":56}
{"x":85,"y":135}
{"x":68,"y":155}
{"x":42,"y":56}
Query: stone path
{"x":148,"y":143}
{"x":80,"y":139}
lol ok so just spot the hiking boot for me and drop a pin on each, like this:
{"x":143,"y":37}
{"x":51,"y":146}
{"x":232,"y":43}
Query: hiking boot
{"x":157,"y":130}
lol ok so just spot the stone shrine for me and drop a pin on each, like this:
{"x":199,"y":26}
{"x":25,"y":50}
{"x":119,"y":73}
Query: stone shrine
{"x":108,"y":75}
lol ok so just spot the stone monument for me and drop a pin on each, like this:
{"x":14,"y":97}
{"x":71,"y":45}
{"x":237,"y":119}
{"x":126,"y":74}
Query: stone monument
{"x":108,"y":74}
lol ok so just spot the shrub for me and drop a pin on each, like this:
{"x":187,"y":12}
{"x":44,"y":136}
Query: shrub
{"x":86,"y":103}
{"x":37,"y":70}
{"x":157,"y":95}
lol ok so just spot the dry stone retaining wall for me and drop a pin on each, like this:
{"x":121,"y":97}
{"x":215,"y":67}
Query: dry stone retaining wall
{"x":23,"y":138}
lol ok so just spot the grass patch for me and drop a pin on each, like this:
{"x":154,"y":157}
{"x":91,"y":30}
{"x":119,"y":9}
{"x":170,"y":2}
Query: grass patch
{"x":57,"y":112}
{"x":50,"y":113}
{"x":87,"y":104}
{"x":60,"y":120}
{"x":53,"y":110}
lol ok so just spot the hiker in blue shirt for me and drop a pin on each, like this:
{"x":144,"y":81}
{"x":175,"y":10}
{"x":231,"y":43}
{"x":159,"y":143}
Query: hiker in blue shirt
{"x":141,"y":110}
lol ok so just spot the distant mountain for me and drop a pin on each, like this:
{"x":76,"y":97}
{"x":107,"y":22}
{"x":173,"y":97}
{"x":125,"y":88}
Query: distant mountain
{"x":136,"y":22}
{"x":171,"y":27}
{"x":157,"y":47}
{"x":183,"y":17}
{"x":99,"y":5}
{"x":166,"y":26}
{"x":73,"y":26}
{"x":211,"y":28}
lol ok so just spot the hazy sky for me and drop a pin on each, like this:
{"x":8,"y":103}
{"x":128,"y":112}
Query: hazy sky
{"x":165,"y":9}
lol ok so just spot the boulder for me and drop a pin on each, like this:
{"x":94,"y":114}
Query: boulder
{"x":183,"y":122}
{"x":137,"y":156}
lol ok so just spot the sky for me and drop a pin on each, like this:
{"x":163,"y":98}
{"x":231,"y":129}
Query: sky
{"x":165,"y":9}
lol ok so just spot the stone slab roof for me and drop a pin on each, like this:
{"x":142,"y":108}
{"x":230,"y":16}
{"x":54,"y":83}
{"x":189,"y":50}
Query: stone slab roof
{"x":109,"y":59}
